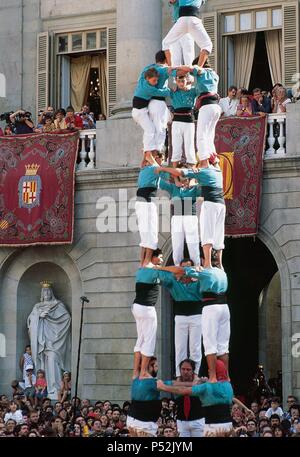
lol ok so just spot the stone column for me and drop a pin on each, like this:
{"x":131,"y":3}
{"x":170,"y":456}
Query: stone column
{"x":139,"y":37}
{"x":139,"y":24}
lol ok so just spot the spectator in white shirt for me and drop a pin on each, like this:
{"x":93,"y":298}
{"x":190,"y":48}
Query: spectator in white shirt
{"x":229,"y":104}
{"x":14,"y":413}
{"x":29,"y":384}
{"x":275,"y":408}
{"x":280,"y":100}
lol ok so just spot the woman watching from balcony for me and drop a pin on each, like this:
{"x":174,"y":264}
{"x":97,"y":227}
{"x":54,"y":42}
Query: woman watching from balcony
{"x":280,"y":100}
{"x":244,"y":109}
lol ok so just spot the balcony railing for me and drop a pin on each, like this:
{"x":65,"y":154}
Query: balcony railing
{"x":87,"y":150}
{"x":276,"y":141}
{"x":276,"y":135}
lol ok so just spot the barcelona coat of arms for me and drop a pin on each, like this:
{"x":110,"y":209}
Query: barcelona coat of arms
{"x":29,"y":188}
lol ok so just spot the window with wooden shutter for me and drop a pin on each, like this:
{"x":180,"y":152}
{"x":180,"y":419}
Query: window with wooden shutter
{"x":112,"y":68}
{"x":210,"y":22}
{"x":42,"y":86}
{"x":290,"y":38}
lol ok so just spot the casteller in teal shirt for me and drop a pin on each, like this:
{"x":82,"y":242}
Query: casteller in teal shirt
{"x":211,"y":182}
{"x":211,"y":394}
{"x":210,"y":280}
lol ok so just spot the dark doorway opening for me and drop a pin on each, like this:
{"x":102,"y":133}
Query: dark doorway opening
{"x":250,"y":267}
{"x":260,"y":75}
{"x":93,"y":95}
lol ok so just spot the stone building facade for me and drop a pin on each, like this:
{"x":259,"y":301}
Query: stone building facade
{"x":102,"y":265}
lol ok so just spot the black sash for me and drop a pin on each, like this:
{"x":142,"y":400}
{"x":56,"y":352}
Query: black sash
{"x":146,"y":294}
{"x":140,"y":103}
{"x":145,"y":411}
{"x":217,"y":414}
{"x":187,"y":308}
{"x":210,"y":298}
{"x":159,"y":98}
{"x":144,"y":194}
{"x":213,"y":194}
{"x":189,"y":11}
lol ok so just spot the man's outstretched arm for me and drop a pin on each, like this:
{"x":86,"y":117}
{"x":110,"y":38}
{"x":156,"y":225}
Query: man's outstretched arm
{"x":174,"y":389}
{"x":174,"y":270}
{"x":172,"y":171}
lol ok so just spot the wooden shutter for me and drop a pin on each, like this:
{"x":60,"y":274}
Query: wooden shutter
{"x":290,"y":45}
{"x":112,"y":69}
{"x":42,"y":86}
{"x":210,"y":22}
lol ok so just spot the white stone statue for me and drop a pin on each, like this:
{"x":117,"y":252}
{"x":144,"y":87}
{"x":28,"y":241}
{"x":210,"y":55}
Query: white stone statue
{"x":49,"y":327}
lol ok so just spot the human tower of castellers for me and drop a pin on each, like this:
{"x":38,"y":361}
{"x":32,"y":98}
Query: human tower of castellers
{"x":197,"y":285}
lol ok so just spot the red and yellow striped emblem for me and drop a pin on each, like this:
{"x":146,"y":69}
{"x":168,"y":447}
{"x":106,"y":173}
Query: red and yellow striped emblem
{"x":227,"y":167}
{"x":4,"y":225}
{"x":29,"y":191}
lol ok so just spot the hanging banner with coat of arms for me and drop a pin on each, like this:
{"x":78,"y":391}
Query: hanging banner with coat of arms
{"x":37,"y":180}
{"x":240,"y":143}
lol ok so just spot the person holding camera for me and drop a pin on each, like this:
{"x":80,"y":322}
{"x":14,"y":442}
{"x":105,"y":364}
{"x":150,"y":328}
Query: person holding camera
{"x":73,"y":121}
{"x":22,"y":122}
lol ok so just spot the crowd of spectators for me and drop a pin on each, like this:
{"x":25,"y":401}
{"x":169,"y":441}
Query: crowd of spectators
{"x":243,"y":103}
{"x":49,"y":120}
{"x":81,"y":418}
{"x":30,"y":413}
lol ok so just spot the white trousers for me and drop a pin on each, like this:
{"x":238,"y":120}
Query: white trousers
{"x":146,"y":325}
{"x":183,"y":51}
{"x":208,"y":118}
{"x":183,"y":135}
{"x":185,"y":228}
{"x":142,"y":118}
{"x":192,"y":25}
{"x":191,"y":429}
{"x":216,"y":329}
{"x":188,"y":330}
{"x":160,"y":116}
{"x":212,"y":224}
{"x":147,"y":220}
{"x":141,"y":426}
{"x":212,"y":429}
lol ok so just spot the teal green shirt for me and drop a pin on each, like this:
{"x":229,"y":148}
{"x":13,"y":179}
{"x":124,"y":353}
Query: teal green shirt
{"x":175,"y":11}
{"x":147,"y":276}
{"x":180,"y":192}
{"x":211,"y":394}
{"x":179,"y":290}
{"x":207,"y":81}
{"x":211,"y":181}
{"x":163,"y":72}
{"x":144,"y":389}
{"x":183,"y":98}
{"x":147,"y":91}
{"x":211,"y":176}
{"x":148,"y":177}
{"x":170,"y":383}
{"x":210,"y":280}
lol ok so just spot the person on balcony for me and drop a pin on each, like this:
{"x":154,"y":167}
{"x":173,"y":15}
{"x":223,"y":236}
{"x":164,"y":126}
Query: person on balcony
{"x":229,"y":104}
{"x":60,"y":122}
{"x":73,"y":121}
{"x":281,"y":100}
{"x":244,"y":109}
{"x":260,"y":105}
